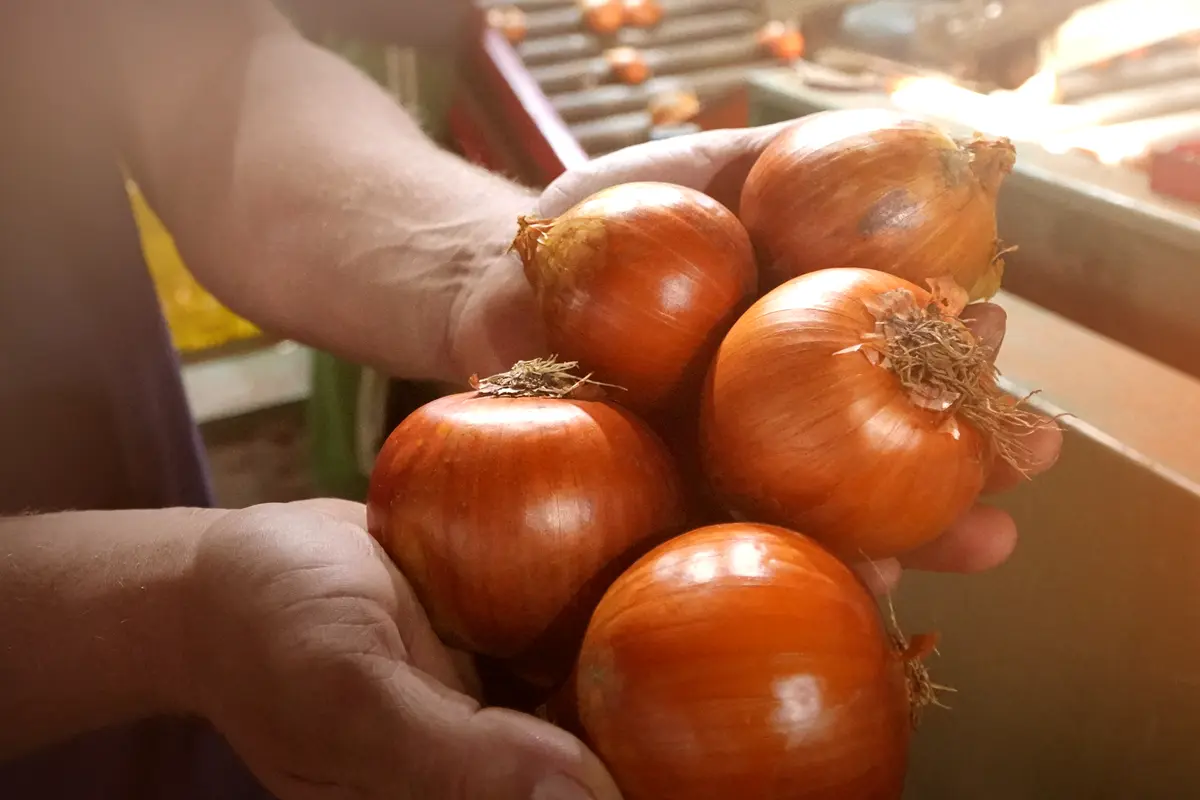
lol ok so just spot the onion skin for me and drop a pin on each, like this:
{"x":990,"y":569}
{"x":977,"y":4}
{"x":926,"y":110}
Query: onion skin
{"x":832,"y":445}
{"x":638,"y":283}
{"x":743,"y":660}
{"x":870,"y":188}
{"x":511,"y":515}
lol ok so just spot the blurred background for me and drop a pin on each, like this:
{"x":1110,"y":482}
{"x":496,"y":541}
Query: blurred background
{"x":1077,"y":664}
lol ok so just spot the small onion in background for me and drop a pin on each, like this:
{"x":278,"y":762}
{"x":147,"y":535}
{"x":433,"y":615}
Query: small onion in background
{"x":627,"y":65}
{"x":510,"y":21}
{"x":873,"y":189}
{"x":603,"y":17}
{"x":744,"y":660}
{"x":673,"y":108}
{"x":783,"y":41}
{"x":638,"y":283}
{"x":511,"y":508}
{"x":642,"y":13}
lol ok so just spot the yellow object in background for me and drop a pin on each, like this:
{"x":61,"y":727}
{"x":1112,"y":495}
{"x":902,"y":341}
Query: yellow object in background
{"x":197,"y":320}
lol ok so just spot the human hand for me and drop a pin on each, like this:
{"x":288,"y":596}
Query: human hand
{"x":310,"y":653}
{"x":499,"y":323}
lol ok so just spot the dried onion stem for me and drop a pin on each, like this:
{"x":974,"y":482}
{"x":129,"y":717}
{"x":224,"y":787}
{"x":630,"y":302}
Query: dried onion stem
{"x":542,"y":377}
{"x":922,"y":691}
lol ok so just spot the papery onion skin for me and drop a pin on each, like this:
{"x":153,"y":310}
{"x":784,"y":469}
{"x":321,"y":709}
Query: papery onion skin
{"x":742,"y":660}
{"x":873,"y":189}
{"x":792,"y":433}
{"x":637,"y":283}
{"x":510,"y":515}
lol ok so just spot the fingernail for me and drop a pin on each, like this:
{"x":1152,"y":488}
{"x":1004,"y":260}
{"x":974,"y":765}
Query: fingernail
{"x":560,"y":787}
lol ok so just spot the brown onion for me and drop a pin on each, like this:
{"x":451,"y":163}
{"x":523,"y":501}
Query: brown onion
{"x":783,"y":41}
{"x":744,"y":660}
{"x":510,"y":21}
{"x":850,"y":405}
{"x":638,"y":282}
{"x":604,"y":17}
{"x":869,"y":188}
{"x":511,"y":508}
{"x":642,"y":13}
{"x":673,"y":107}
{"x":627,"y":65}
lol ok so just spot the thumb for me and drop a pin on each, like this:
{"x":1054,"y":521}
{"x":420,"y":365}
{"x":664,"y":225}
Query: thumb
{"x":715,"y":162}
{"x":513,"y":755}
{"x":463,"y":753}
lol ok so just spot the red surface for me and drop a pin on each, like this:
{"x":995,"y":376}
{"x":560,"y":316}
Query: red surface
{"x":525,"y":113}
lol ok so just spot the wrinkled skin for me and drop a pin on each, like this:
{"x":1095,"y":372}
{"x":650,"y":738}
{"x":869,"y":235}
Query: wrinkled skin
{"x":308,"y":650}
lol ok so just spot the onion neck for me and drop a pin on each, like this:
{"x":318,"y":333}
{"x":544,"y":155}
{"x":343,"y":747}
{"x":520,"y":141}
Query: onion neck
{"x":527,"y":243}
{"x":992,"y":160}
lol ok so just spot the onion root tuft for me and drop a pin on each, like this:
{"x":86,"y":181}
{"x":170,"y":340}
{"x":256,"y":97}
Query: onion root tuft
{"x":945,"y":369}
{"x":542,"y":377}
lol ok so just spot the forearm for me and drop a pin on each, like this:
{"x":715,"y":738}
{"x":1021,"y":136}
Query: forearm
{"x":310,"y":202}
{"x":90,"y":617}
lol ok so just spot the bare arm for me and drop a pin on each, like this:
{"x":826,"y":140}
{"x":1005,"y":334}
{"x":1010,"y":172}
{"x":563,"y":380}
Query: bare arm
{"x":298,"y":191}
{"x":86,"y":599}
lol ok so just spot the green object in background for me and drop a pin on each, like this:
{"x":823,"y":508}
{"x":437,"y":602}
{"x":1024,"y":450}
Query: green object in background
{"x":332,"y":421}
{"x":333,"y":406}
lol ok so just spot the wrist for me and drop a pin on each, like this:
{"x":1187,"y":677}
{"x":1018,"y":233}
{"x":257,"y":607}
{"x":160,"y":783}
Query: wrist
{"x":162,"y":644}
{"x":91,"y":608}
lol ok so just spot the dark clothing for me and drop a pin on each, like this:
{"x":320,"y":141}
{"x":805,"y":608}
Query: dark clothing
{"x":92,"y":410}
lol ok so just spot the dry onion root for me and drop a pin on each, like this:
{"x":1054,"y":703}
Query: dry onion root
{"x":946,"y":369}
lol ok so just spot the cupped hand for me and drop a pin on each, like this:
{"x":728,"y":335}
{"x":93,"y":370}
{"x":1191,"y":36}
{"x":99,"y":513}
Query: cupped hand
{"x":311,"y":655}
{"x":499,"y":324}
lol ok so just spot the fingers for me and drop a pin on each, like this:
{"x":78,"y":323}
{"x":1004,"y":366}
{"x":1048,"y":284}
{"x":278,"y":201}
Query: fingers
{"x":981,"y":539}
{"x":986,"y":321}
{"x":1043,"y":448}
{"x":493,"y":753}
{"x":881,"y":576}
{"x":344,"y":510}
{"x":695,"y":161}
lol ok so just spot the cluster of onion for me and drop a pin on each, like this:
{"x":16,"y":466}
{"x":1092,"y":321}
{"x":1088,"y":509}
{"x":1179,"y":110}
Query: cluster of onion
{"x":660,"y":544}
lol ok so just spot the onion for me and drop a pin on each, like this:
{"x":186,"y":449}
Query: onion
{"x":627,"y":65}
{"x":674,"y":107}
{"x":783,"y":41}
{"x":603,"y":17}
{"x":856,"y":407}
{"x":638,"y":283}
{"x":510,"y":21}
{"x":744,"y":660}
{"x":869,"y":188}
{"x":642,"y":13}
{"x":511,"y":508}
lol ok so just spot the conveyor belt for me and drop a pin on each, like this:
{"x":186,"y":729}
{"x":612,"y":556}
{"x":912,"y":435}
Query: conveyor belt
{"x":705,"y":47}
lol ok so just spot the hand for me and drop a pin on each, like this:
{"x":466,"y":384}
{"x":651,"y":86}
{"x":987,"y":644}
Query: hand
{"x":316,"y":662}
{"x":499,"y":324}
